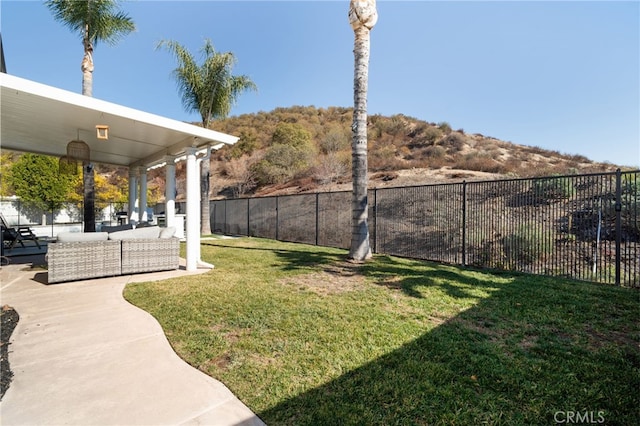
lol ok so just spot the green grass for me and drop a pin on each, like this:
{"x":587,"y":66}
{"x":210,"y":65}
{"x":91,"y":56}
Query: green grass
{"x":304,"y":338}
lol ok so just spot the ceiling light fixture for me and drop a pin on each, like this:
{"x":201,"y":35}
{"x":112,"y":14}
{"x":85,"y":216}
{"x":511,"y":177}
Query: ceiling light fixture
{"x":102,"y":131}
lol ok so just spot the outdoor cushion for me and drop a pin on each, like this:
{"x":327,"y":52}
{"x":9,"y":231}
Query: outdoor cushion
{"x":167,"y":232}
{"x":131,"y":234}
{"x":116,"y":228}
{"x":72,"y":237}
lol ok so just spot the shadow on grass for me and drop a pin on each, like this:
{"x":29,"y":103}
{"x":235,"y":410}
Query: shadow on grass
{"x":533,"y":351}
{"x":298,"y":259}
{"x":413,"y":275}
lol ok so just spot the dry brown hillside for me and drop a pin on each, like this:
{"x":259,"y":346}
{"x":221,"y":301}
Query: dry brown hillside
{"x":307,"y":149}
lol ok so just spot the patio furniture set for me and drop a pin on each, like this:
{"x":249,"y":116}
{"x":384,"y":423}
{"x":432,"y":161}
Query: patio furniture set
{"x":78,"y":256}
{"x":116,"y":250}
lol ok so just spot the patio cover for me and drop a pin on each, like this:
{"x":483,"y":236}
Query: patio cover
{"x":41,"y":119}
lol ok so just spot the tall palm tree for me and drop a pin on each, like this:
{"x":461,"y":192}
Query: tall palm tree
{"x":94,"y":21}
{"x":211,"y":90}
{"x":362,"y":17}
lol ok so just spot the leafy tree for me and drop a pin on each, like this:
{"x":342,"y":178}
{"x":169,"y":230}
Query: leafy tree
{"x":36,"y":180}
{"x":362,"y":17}
{"x":94,"y":21}
{"x":211,"y":90}
{"x":291,"y":134}
{"x":246,"y":145}
{"x":6,"y":159}
{"x":291,"y":153}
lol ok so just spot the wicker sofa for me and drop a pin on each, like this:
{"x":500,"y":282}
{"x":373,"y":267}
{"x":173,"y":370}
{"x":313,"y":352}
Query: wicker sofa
{"x":78,"y":256}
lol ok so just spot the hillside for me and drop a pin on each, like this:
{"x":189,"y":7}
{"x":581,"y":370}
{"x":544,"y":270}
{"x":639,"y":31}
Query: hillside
{"x":307,"y":149}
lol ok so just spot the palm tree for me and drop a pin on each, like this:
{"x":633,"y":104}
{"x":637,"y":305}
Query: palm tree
{"x":211,"y":90}
{"x":94,"y":20}
{"x":362,"y":17}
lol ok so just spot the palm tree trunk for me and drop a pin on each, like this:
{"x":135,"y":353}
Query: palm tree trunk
{"x":87,"y":64}
{"x":88,"y":176}
{"x":87,"y":75}
{"x":205,"y":220}
{"x":362,"y":16}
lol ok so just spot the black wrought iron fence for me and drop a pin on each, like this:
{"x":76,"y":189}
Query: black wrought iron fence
{"x":585,"y":227}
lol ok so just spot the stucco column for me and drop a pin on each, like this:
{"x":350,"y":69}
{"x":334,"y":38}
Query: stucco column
{"x":193,"y":210}
{"x":143,"y":194}
{"x":170,"y":191}
{"x":133,"y":196}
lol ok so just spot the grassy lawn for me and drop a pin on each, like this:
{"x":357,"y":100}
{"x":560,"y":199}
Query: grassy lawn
{"x":304,"y":338}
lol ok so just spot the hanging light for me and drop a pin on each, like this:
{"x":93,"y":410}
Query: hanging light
{"x":79,"y":151}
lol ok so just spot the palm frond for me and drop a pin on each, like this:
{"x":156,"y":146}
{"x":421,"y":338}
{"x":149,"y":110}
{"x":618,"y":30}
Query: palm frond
{"x":101,"y":17}
{"x":209,"y":88}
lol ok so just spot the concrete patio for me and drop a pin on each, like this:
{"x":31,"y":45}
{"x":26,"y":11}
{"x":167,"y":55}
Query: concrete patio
{"x":82,"y":355}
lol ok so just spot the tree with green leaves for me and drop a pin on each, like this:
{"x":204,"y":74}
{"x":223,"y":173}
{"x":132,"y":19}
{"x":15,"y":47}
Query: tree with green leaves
{"x":211,"y":90}
{"x":291,"y":152}
{"x":94,"y":21}
{"x":37,"y":181}
{"x":362,"y":17}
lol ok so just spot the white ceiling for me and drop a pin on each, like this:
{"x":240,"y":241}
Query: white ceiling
{"x":42,"y":119}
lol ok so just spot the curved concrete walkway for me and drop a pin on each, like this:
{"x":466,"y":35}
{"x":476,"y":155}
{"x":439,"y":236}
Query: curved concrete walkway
{"x":82,"y":355}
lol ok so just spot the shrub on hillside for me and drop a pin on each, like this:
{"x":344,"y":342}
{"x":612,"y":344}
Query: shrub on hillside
{"x":290,"y":155}
{"x":335,"y":140}
{"x":480,"y":163}
{"x":291,"y":134}
{"x":246,"y":145}
{"x":528,"y":244}
{"x":282,"y":163}
{"x":554,"y":188}
{"x":444,"y":127}
{"x":331,"y":168}
{"x":454,"y":142}
{"x":435,"y":151}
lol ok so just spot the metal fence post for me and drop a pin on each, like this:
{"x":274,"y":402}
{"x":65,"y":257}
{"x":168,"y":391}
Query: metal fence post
{"x":464,"y":223}
{"x":248,"y":217}
{"x":277,"y":220}
{"x":226,"y":222}
{"x":375,"y":220}
{"x":618,"y":208}
{"x":317,"y":216}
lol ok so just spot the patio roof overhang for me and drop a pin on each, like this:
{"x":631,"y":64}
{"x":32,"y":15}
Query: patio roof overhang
{"x":41,"y":119}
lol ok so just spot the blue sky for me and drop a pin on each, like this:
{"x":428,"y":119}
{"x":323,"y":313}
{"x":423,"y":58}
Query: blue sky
{"x":559,"y":75}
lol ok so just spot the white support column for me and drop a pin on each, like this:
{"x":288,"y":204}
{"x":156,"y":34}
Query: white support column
{"x":142,"y":171}
{"x":170,"y":191}
{"x":133,"y":196}
{"x":193,"y":211}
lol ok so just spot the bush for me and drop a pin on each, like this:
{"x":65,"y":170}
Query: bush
{"x":554,"y":188}
{"x":528,"y":244}
{"x":291,"y":134}
{"x":444,"y":127}
{"x":335,"y":140}
{"x":282,"y":163}
{"x":454,"y":142}
{"x":435,"y":151}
